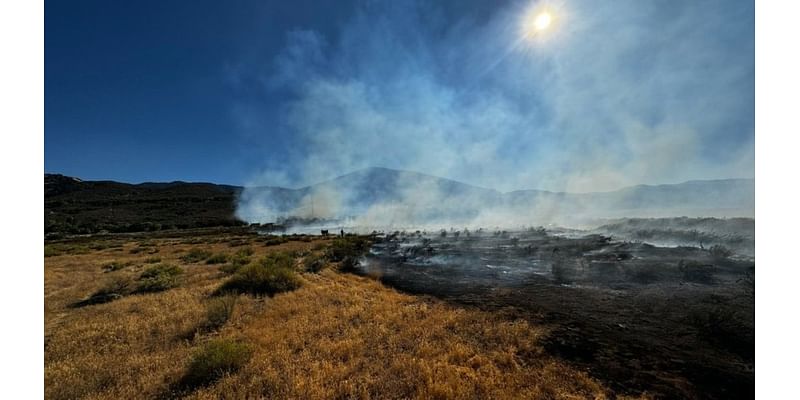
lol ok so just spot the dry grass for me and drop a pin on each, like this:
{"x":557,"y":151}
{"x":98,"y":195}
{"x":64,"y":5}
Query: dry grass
{"x":337,"y":336}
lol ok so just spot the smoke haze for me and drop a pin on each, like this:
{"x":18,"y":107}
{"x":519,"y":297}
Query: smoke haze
{"x":625,"y":93}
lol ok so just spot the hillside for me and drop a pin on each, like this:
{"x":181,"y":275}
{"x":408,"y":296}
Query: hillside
{"x":75,"y":206}
{"x":374,"y":194}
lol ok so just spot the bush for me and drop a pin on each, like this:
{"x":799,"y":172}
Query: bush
{"x":237,"y":261}
{"x":275,"y":240}
{"x":144,"y":248}
{"x":195,"y":256}
{"x":152,"y":260}
{"x":57,"y":249}
{"x":347,"y":247}
{"x":116,"y":266}
{"x":244,"y":252}
{"x":279,"y":259}
{"x":158,"y":278}
{"x":219,"y":310}
{"x":231,"y":268}
{"x":314,"y":262}
{"x":269,"y":276}
{"x":214,"y":360}
{"x":720,"y":252}
{"x":114,"y":289}
{"x":51,"y":251}
{"x":219,"y":258}
{"x":238,"y":242}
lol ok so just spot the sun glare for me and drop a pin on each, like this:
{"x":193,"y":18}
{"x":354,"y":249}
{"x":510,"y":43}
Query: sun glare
{"x":542,"y":21}
{"x":538,"y":21}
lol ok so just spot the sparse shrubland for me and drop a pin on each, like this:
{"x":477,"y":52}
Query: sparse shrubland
{"x":336,"y":336}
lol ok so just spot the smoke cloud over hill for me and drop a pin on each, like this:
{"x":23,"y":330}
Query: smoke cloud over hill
{"x":615,"y":96}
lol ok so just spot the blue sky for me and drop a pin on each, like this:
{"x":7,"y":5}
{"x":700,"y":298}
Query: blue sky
{"x":289,"y":93}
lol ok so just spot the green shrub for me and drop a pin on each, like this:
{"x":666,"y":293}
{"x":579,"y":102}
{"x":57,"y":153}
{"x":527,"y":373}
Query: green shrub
{"x":314,"y":262}
{"x":279,"y":259}
{"x":269,"y":276}
{"x":144,"y":248}
{"x":158,"y":278}
{"x":235,"y":262}
{"x":275,"y":240}
{"x":238,"y":242}
{"x":230,"y":268}
{"x":195,"y":256}
{"x":219,"y":310}
{"x":244,"y":252}
{"x":57,"y":249}
{"x":152,"y":260}
{"x":51,"y":250}
{"x":116,"y":266}
{"x":217,"y":358}
{"x":347,"y":247}
{"x":219,"y":258}
{"x":115,"y":288}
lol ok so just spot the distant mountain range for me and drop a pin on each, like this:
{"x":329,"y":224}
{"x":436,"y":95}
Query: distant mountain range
{"x":430,"y":198}
{"x":76,"y":206}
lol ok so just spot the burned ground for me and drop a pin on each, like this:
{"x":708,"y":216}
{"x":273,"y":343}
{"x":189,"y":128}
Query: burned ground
{"x":674,"y":322}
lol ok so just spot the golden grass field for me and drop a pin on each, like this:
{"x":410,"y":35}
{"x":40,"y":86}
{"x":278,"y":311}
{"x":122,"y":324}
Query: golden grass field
{"x":338,"y":336}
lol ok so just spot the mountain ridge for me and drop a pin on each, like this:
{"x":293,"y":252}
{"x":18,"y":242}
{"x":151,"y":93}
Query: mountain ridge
{"x":82,"y":206}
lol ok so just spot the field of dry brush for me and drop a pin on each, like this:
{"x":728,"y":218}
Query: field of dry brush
{"x":114,"y":330}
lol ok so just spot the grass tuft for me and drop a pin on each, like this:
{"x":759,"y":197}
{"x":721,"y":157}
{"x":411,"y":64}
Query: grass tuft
{"x":214,"y":360}
{"x":195,"y":256}
{"x":271,"y":275}
{"x":219,"y":311}
{"x":347,"y":247}
{"x":116,"y":266}
{"x":115,"y":288}
{"x":159,"y":278}
{"x":314,"y":262}
{"x":219,"y":258}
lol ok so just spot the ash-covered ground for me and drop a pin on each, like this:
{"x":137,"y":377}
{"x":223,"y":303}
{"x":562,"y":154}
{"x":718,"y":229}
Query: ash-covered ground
{"x":674,"y":322}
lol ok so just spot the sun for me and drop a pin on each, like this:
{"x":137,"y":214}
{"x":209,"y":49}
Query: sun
{"x":542,"y":21}
{"x":536,"y":22}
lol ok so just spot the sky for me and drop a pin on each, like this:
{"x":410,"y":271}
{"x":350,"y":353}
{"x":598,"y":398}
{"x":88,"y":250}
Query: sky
{"x":291,"y":93}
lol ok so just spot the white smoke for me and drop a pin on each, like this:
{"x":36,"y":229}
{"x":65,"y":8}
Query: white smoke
{"x":624,"y":93}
